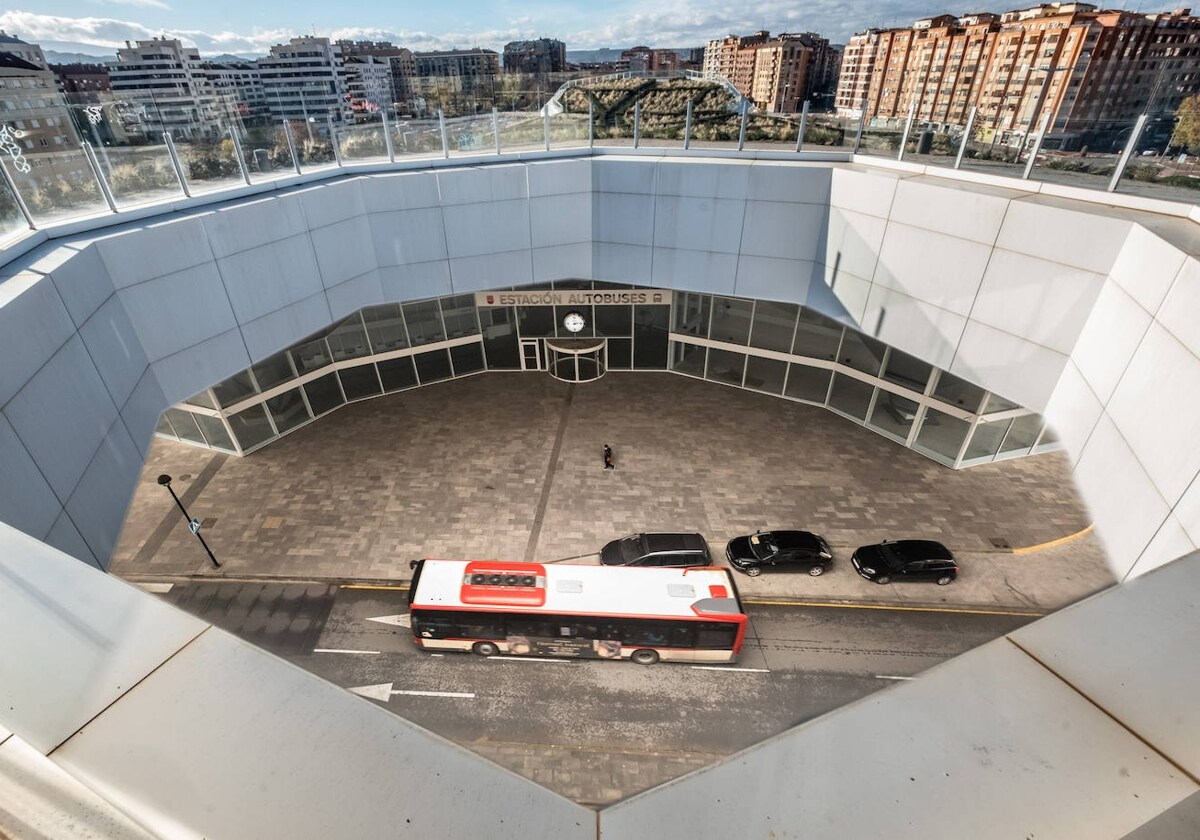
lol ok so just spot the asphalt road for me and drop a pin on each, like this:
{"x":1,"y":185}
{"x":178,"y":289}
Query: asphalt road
{"x":799,"y":662}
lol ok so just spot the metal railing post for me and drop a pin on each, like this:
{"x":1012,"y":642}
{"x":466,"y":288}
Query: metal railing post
{"x":1037,"y":147}
{"x":16,"y":194}
{"x":591,"y":123}
{"x":687,"y":127}
{"x":962,"y":147}
{"x":90,"y":154}
{"x":333,"y":140}
{"x":387,"y":136}
{"x":241,"y":158}
{"x":912,"y":112}
{"x":176,"y":165}
{"x":637,"y":123}
{"x":546,"y":126}
{"x":1127,"y":153}
{"x":803,"y":125}
{"x":442,"y":129}
{"x":496,"y":128}
{"x":742,"y":129}
{"x":291,"y":143}
{"x":862,"y":123}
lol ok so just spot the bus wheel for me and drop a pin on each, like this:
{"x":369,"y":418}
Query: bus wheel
{"x":486,"y":648}
{"x":644,"y":657}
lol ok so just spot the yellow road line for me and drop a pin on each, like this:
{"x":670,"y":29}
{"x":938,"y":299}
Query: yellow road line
{"x":1030,"y":549}
{"x":372,"y":586}
{"x":889,"y":607}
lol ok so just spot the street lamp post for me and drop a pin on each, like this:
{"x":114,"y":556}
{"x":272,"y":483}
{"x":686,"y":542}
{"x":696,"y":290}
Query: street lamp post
{"x":193,"y":525}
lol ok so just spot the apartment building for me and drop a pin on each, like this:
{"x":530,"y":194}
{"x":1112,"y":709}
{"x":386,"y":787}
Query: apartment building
{"x":369,"y":84}
{"x":476,"y":62}
{"x":778,"y":74}
{"x":306,"y":79}
{"x":165,"y":85}
{"x":644,"y":59}
{"x":1089,"y":72}
{"x":81,"y":82}
{"x":540,"y":56}
{"x":37,"y":136}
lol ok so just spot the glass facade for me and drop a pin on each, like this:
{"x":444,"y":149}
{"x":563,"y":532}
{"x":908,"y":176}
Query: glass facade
{"x":765,"y":346}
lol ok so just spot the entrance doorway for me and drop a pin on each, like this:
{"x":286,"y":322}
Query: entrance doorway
{"x":531,"y":354}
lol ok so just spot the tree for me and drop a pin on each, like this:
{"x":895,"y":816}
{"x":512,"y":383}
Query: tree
{"x":1187,"y":125}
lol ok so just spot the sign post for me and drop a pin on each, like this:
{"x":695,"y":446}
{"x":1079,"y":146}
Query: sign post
{"x":193,"y":524}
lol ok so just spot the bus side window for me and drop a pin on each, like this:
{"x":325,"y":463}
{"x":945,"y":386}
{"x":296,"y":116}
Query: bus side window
{"x":434,"y":626}
{"x":715,"y":636}
{"x":480,"y":626}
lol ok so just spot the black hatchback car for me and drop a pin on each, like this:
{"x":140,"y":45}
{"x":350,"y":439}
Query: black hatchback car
{"x":779,"y":551}
{"x":657,"y":550}
{"x":897,"y":560}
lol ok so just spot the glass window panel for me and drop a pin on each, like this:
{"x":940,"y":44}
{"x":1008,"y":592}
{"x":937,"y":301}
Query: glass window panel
{"x":893,"y":414}
{"x":535,"y":321}
{"x":164,"y":427}
{"x":214,"y":431}
{"x":432,"y":366}
{"x":614,"y":320}
{"x":467,"y":358}
{"x":606,"y":284}
{"x":959,"y":392}
{"x":185,"y":425}
{"x":499,"y":338}
{"x":251,"y":427}
{"x":691,"y":313}
{"x":385,"y":326}
{"x":688,"y":358}
{"x":1048,"y":437}
{"x":458,"y":313}
{"x":397,"y":373}
{"x":862,"y":352}
{"x":774,"y":325}
{"x":360,"y":382}
{"x":941,"y":435}
{"x":620,"y":353}
{"x":731,"y":320}
{"x":203,"y":399}
{"x":560,"y":312}
{"x":324,"y":394}
{"x":572,"y":284}
{"x":808,"y":383}
{"x":765,"y":374}
{"x":905,"y":370}
{"x":995,"y":403}
{"x":348,"y":340}
{"x":725,"y":366}
{"x":851,"y":396}
{"x":650,"y":336}
{"x":1023,"y":433}
{"x":310,"y":355}
{"x":288,"y":410}
{"x":817,"y":337}
{"x":274,"y":371}
{"x":235,"y":389}
{"x":985,"y":440}
{"x":424,"y":321}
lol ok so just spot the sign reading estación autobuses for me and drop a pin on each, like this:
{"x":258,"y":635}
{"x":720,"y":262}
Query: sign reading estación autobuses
{"x":573,"y":297}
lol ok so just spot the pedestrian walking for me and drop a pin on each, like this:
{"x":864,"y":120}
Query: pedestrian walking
{"x":608,"y":458}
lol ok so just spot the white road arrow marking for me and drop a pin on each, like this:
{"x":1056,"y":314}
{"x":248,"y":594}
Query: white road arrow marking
{"x":340,"y":650}
{"x":465,"y":694}
{"x":394,"y":620}
{"x":889,"y":677}
{"x":384,"y":691}
{"x":720,"y":668}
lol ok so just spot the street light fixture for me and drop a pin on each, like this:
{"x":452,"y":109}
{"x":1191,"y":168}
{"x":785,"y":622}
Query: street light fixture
{"x":193,"y":524}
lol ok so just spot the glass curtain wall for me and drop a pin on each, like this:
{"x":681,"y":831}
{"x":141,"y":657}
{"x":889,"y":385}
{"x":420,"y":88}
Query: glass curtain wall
{"x":765,"y":346}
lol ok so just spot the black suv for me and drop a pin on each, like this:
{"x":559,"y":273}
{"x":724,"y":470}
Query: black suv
{"x":779,"y":551}
{"x":657,"y":550}
{"x":906,"y":560}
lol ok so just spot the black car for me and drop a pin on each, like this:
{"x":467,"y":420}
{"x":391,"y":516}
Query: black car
{"x":897,"y":560}
{"x":657,"y":550}
{"x":779,"y":551}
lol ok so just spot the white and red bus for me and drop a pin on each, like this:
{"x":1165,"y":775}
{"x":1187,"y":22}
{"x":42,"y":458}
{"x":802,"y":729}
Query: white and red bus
{"x":598,"y":612}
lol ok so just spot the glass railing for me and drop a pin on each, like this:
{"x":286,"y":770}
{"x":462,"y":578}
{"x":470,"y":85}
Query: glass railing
{"x":115,"y":151}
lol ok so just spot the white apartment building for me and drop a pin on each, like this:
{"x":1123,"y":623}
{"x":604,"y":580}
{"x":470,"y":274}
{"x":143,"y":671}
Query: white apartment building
{"x":37,"y":136}
{"x":369,"y":83}
{"x":858,"y":64}
{"x":166,"y":81}
{"x":306,"y":79}
{"x":23,"y":50}
{"x":237,"y":83}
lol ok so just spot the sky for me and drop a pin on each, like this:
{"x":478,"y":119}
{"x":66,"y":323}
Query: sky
{"x":250,"y":27}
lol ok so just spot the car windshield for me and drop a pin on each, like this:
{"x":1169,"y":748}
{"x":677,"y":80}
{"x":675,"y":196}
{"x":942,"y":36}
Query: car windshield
{"x":892,"y":555}
{"x":631,"y":548}
{"x":763,"y":546}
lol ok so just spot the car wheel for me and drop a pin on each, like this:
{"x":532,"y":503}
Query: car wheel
{"x":644,"y":657}
{"x":816,"y":571}
{"x":943,"y":580}
{"x":884,"y":579}
{"x":754,"y":571}
{"x":486,"y":648}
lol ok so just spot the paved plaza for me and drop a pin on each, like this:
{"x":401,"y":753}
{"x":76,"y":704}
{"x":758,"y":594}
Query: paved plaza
{"x":509,"y":465}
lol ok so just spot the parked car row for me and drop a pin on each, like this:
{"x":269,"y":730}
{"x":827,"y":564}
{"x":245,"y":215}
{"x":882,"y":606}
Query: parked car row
{"x":890,"y":561}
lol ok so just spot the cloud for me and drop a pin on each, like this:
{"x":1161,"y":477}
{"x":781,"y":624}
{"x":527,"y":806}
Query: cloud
{"x":147,"y":4}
